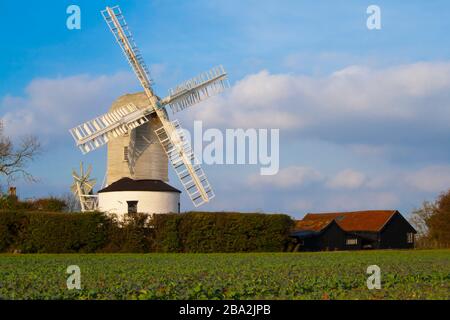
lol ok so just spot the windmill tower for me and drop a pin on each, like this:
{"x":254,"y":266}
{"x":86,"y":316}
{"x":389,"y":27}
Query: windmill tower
{"x":137,"y":154}
{"x":142,"y":140}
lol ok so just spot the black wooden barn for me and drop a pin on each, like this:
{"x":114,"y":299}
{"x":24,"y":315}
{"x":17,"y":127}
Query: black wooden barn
{"x":382,"y":229}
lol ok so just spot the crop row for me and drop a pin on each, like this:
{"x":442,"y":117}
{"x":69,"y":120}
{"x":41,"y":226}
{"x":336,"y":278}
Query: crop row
{"x":327,"y":275}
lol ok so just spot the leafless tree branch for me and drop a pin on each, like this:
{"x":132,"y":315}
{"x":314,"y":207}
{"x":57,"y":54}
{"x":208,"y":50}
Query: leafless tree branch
{"x":15,"y":159}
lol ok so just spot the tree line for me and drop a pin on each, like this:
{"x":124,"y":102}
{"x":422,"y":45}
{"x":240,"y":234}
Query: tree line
{"x":432,"y":222}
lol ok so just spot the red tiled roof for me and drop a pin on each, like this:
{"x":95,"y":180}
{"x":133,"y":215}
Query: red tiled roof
{"x":312,"y":225}
{"x":372,"y":220}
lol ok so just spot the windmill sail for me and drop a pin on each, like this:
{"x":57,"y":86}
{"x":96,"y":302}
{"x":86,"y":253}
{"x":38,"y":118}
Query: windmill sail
{"x":119,"y":28}
{"x":197,"y":89}
{"x":183,"y":160}
{"x":82,"y":188}
{"x":97,"y":132}
{"x":192,"y":91}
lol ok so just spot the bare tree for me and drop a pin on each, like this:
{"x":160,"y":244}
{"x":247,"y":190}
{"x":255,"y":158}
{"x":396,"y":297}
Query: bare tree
{"x":420,"y":218}
{"x":15,"y":159}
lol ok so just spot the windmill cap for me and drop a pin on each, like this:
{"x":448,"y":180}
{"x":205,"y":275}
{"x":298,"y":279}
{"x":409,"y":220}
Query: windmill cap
{"x":128,"y":184}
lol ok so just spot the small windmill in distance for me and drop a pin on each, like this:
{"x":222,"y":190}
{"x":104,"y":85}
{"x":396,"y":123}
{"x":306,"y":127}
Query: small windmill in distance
{"x":131,"y":129}
{"x":83,"y":187}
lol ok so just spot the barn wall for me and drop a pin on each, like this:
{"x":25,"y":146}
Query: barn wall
{"x":310,"y":244}
{"x":368,"y":238}
{"x":394,"y":234}
{"x":332,"y":238}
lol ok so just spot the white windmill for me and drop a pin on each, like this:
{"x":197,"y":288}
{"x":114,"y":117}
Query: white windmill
{"x":141,"y":139}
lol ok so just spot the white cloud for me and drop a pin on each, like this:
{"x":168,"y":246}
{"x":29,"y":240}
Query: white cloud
{"x":380,"y":180}
{"x":52,"y":106}
{"x":430,"y":179}
{"x":365,"y":150}
{"x":356,"y":105}
{"x":350,"y":189}
{"x":360,"y":109}
{"x":360,"y":201}
{"x":301,"y":205}
{"x":289,"y":177}
{"x":347,"y":179}
{"x":257,"y":101}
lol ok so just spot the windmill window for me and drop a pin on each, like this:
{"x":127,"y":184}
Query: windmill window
{"x":132,"y":206}
{"x":410,"y":237}
{"x":125,"y":153}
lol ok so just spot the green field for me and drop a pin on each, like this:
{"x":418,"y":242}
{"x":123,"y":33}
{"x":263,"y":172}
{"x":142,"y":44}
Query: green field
{"x":410,"y":274}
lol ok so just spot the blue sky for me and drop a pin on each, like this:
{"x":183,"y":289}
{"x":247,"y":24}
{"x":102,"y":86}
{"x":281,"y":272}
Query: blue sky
{"x":369,"y":108}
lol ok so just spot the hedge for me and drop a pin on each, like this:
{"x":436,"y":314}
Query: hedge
{"x":42,"y":232}
{"x":222,"y":232}
{"x":51,"y":204}
{"x":11,"y":224}
{"x":131,"y":235}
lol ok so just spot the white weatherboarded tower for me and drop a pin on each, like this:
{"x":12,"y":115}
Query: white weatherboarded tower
{"x":137,"y":154}
{"x":141,"y":140}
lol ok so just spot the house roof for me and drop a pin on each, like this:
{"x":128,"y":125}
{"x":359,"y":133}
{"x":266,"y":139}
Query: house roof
{"x":371,"y":220}
{"x":128,"y":184}
{"x":316,"y":225}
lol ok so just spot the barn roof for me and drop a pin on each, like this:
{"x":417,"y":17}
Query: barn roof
{"x":127,"y":184}
{"x":316,"y":225}
{"x":371,"y":220}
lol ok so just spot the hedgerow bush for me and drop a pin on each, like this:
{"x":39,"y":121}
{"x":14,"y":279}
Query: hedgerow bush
{"x":133,"y":234}
{"x":63,"y":233}
{"x":12,"y":203}
{"x":50,"y":204}
{"x":11,"y":224}
{"x":44,"y":232}
{"x":221,"y":232}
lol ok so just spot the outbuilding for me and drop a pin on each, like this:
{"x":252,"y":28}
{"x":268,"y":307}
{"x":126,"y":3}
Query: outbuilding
{"x":372,"y":229}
